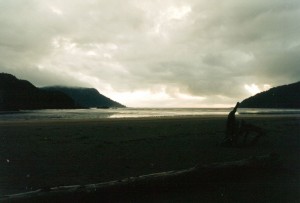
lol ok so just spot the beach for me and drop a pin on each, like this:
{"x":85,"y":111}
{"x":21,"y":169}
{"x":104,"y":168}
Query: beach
{"x":39,"y":154}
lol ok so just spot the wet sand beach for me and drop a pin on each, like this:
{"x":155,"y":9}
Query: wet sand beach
{"x":42,"y":154}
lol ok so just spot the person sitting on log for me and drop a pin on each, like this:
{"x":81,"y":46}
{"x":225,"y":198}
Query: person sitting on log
{"x":236,"y":130}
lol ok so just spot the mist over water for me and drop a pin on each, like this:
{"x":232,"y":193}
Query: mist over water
{"x":28,"y":115}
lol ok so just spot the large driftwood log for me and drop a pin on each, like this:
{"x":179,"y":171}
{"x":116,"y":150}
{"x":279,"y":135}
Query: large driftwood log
{"x":151,"y":183}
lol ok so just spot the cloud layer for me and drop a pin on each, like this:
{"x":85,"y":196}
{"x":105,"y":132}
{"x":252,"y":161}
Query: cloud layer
{"x":154,"y":53}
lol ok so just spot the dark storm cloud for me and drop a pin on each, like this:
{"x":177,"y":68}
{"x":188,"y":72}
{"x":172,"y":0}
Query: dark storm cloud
{"x":197,"y":52}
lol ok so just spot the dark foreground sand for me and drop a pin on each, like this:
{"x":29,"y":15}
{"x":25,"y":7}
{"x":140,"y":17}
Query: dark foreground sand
{"x":51,"y":153}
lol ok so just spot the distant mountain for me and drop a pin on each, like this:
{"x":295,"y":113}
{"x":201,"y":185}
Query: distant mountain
{"x":86,"y":97}
{"x":286,"y":96}
{"x":18,"y":94}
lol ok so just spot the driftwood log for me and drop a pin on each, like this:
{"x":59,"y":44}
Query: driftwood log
{"x":170,"y":181}
{"x":242,"y":135}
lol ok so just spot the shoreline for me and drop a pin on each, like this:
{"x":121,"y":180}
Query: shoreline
{"x":146,"y":118}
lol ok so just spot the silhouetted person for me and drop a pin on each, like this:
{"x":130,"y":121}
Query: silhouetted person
{"x":232,"y":125}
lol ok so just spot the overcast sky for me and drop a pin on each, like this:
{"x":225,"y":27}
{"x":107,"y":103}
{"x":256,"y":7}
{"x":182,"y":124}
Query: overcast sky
{"x":162,"y":53}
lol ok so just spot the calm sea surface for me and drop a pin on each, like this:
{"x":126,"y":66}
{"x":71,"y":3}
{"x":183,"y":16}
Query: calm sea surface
{"x":136,"y":113}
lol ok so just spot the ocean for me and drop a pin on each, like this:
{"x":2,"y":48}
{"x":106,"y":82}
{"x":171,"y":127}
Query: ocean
{"x":54,"y":114}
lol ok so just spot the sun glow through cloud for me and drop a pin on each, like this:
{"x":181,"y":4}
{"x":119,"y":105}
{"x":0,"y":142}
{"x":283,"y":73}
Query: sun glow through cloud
{"x":252,"y":89}
{"x":56,"y":10}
